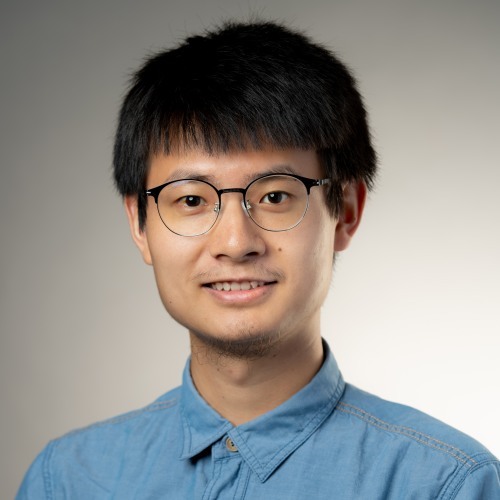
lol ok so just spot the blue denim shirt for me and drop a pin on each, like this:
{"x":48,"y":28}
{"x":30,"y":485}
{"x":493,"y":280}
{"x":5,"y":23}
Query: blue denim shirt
{"x":329,"y":441}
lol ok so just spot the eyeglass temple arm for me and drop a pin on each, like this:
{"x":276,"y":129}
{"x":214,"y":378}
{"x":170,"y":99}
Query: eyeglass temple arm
{"x":154,"y":192}
{"x":309,"y":183}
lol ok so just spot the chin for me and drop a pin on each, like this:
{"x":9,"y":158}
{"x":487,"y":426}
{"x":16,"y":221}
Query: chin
{"x":241,"y":343}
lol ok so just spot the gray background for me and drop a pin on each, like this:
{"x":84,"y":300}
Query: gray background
{"x":413,"y":311}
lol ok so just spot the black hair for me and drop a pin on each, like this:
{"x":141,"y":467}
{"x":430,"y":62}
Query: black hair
{"x":241,"y":86}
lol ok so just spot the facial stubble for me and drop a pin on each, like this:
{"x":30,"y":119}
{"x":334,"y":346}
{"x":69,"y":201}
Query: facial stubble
{"x":246,"y":344}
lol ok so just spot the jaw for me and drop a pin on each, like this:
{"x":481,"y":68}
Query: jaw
{"x":243,"y":344}
{"x":251,"y":333}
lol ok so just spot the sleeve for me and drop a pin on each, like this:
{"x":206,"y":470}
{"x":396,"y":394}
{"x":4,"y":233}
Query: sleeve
{"x":481,"y":484}
{"x":35,"y":482}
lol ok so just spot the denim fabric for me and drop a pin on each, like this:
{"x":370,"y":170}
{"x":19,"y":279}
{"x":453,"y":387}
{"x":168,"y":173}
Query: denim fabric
{"x":329,"y":441}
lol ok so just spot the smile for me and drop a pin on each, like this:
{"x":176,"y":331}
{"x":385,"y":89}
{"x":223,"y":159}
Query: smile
{"x":236,"y":285}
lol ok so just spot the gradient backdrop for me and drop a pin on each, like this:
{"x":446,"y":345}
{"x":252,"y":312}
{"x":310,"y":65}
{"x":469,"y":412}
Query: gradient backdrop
{"x":413,"y":311}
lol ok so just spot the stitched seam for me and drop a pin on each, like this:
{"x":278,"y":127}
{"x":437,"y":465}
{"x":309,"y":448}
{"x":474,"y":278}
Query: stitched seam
{"x":217,"y":469}
{"x":238,"y":474}
{"x":412,"y":430}
{"x":456,"y":485}
{"x":186,"y":444}
{"x":246,"y":480}
{"x":223,"y":429}
{"x":191,"y":451}
{"x":162,"y":405}
{"x":46,"y":472}
{"x":315,"y":421}
{"x":256,"y":464}
{"x":307,"y":430}
{"x":456,"y":477}
{"x":404,"y":431}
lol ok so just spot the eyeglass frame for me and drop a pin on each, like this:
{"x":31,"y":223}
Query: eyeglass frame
{"x":306,"y":181}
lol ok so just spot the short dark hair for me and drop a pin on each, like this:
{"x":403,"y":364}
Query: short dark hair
{"x":241,"y":86}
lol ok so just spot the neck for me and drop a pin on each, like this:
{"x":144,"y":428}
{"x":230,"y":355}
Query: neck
{"x":243,"y":388}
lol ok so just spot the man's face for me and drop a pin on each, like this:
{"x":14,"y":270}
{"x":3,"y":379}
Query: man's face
{"x":278,"y":280}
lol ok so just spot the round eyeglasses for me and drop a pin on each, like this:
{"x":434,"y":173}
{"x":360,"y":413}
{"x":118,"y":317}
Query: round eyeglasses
{"x":275,"y":202}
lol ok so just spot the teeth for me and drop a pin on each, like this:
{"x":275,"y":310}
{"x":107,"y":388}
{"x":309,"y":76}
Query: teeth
{"x":236,"y":285}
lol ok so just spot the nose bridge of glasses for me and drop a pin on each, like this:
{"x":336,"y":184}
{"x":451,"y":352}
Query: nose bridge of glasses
{"x":244,"y":203}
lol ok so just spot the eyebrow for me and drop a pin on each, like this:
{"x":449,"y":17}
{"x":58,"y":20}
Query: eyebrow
{"x":186,"y":173}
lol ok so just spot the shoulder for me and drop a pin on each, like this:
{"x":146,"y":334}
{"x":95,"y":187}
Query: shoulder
{"x":424,"y":443}
{"x":127,"y":426}
{"x":409,"y":423}
{"x":98,"y":450}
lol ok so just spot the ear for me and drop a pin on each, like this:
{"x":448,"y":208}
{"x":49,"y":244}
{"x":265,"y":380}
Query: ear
{"x":138,"y":235}
{"x":353,"y":203}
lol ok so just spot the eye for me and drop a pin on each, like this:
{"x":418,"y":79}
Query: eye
{"x":275,"y":197}
{"x":192,"y":201}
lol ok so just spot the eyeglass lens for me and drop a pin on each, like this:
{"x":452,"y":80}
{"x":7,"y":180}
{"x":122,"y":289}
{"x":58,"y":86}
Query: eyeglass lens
{"x":191,"y":207}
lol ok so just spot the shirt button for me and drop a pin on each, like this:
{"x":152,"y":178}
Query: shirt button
{"x":230,"y":445}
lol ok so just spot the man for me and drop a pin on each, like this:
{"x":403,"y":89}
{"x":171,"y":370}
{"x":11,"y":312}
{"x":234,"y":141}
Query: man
{"x":244,"y":158}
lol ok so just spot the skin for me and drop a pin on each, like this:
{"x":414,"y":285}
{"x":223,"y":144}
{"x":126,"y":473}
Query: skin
{"x":251,"y":349}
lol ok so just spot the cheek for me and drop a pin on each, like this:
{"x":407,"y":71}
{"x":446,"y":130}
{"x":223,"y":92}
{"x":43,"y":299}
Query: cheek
{"x":309,"y":256}
{"x":165,"y":276}
{"x":172,"y":259}
{"x":317,"y":255}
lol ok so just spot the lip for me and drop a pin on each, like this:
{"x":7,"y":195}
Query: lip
{"x":241,"y":296}
{"x":236,"y":285}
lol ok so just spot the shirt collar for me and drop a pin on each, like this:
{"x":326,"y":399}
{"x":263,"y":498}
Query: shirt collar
{"x":268,"y":440}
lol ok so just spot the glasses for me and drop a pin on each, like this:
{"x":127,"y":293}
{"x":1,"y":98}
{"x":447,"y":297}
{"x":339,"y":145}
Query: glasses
{"x":276,"y":202}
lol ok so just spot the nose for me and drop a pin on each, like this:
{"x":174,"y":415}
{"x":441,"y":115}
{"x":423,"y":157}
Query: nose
{"x":235,"y":236}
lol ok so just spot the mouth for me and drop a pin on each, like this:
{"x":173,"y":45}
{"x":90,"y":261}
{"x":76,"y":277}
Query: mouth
{"x":235,"y":286}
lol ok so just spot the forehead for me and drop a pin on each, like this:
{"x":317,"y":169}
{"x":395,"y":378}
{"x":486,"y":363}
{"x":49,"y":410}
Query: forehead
{"x":233,"y":168}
